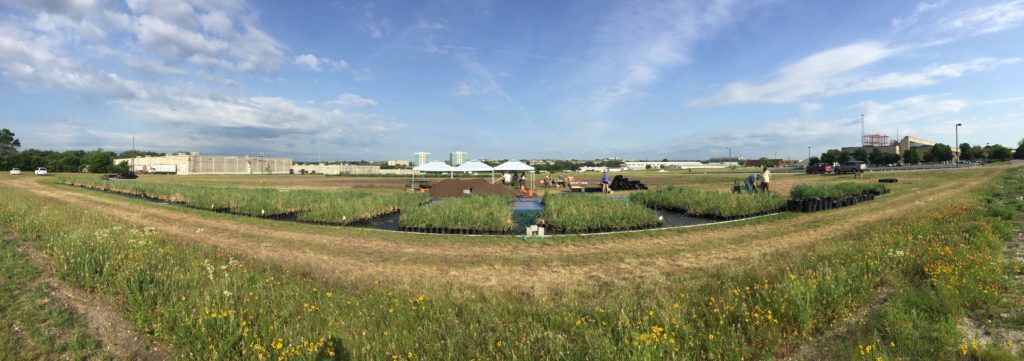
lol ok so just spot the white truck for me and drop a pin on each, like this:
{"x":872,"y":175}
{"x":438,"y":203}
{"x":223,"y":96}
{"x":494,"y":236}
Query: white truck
{"x":15,"y":171}
{"x":41,"y":171}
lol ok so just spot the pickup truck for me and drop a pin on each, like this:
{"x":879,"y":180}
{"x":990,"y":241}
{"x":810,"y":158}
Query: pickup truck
{"x":41,"y":171}
{"x":850,"y":167}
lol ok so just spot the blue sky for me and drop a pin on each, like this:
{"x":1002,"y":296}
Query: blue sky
{"x":520,"y":79}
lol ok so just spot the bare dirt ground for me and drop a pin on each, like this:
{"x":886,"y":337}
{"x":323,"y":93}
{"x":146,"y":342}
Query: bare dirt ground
{"x":101,"y":317}
{"x":506,"y":262}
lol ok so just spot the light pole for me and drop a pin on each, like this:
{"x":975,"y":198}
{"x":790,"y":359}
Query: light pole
{"x":808,"y":154}
{"x":730,"y":153}
{"x":956,"y":152}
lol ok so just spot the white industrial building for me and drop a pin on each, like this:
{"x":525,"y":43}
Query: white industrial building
{"x":335,"y":169}
{"x":194,"y":163}
{"x":640,"y":165}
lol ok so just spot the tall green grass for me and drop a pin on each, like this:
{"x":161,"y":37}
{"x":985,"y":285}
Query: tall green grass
{"x":212,"y":306}
{"x":334,"y":207}
{"x":477,"y":212}
{"x":701,"y":203}
{"x":837,"y":190}
{"x":577,"y":213}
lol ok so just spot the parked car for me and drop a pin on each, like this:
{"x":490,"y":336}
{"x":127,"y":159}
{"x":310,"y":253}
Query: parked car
{"x":41,"y":171}
{"x":15,"y":171}
{"x":816,"y":168}
{"x":851,"y":166}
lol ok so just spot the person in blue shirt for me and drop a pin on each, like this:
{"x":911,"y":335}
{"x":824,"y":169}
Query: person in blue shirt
{"x":751,"y":182}
{"x":605,"y":182}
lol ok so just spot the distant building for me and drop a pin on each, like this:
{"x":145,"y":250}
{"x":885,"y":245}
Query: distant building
{"x":194,"y":163}
{"x":894,"y":147}
{"x":639,"y":165}
{"x":757,"y":162}
{"x":420,"y":158}
{"x":335,"y":169}
{"x":398,"y":163}
{"x":456,"y":158}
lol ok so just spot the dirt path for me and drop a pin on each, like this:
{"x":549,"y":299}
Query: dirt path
{"x":102,"y":320}
{"x":361,"y":254}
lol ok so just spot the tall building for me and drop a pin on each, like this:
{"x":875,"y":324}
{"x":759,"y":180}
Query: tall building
{"x":456,"y":158}
{"x":420,"y":158}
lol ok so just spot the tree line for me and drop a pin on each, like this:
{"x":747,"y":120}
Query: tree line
{"x":936,"y":154}
{"x":94,"y":161}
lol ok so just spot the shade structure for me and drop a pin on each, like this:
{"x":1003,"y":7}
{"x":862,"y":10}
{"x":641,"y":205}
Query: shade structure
{"x":435,"y":166}
{"x":514,"y":166}
{"x":475,"y":166}
{"x":517,"y":166}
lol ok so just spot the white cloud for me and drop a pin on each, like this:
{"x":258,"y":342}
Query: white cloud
{"x":810,"y":107}
{"x":987,"y":19}
{"x":921,"y":8}
{"x":833,"y":72}
{"x":639,"y":43}
{"x":470,"y":88}
{"x":349,"y":100}
{"x":308,"y":60}
{"x":153,"y":67}
{"x":377,"y":28}
{"x":909,"y":110}
{"x":364,"y":74}
{"x":174,"y":42}
{"x":924,"y":77}
{"x":815,"y":74}
{"x":313,"y":62}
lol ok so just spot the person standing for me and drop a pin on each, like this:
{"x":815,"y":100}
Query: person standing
{"x":605,"y":182}
{"x":766,"y":177}
{"x":507,"y":179}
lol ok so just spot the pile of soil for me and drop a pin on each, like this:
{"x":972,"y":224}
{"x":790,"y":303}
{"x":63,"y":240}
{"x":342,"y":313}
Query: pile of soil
{"x":454,"y":187}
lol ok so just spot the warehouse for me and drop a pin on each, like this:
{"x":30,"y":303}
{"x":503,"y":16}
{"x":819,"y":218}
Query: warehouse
{"x":194,"y":163}
{"x":335,"y":169}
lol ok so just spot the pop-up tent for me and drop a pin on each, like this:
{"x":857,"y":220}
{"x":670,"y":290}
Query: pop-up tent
{"x":435,"y":166}
{"x":475,"y":166}
{"x":517,"y":166}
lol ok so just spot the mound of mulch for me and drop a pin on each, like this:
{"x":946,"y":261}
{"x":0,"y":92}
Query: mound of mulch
{"x":454,"y":187}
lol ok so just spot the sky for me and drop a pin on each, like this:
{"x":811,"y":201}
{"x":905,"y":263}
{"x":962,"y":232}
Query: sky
{"x":377,"y":80}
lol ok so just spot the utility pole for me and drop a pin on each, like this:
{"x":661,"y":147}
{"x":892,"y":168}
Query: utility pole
{"x":862,"y":130}
{"x":808,"y":154}
{"x":730,"y":153}
{"x":956,"y":146}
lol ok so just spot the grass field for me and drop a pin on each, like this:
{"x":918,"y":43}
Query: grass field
{"x":920,"y":273}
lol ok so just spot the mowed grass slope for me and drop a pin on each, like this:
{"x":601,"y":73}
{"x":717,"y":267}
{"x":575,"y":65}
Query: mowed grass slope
{"x":229,"y":305}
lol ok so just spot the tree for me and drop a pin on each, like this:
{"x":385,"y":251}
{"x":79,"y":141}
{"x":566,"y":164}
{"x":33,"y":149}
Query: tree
{"x":860,"y":154}
{"x":843,"y":157}
{"x":967,"y":152}
{"x":121,"y":168}
{"x":1019,"y":154}
{"x":876,"y":156}
{"x":831,"y":156}
{"x":813,"y":160}
{"x":911,"y":156}
{"x":764,"y":162}
{"x":941,"y":153}
{"x":999,"y":152}
{"x":138,"y":153}
{"x":8,"y":143}
{"x":100,"y":161}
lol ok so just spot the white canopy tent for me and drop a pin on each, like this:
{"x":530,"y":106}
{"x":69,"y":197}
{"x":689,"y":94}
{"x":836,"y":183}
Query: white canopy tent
{"x":517,"y":166}
{"x":475,"y":166}
{"x":435,"y":166}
